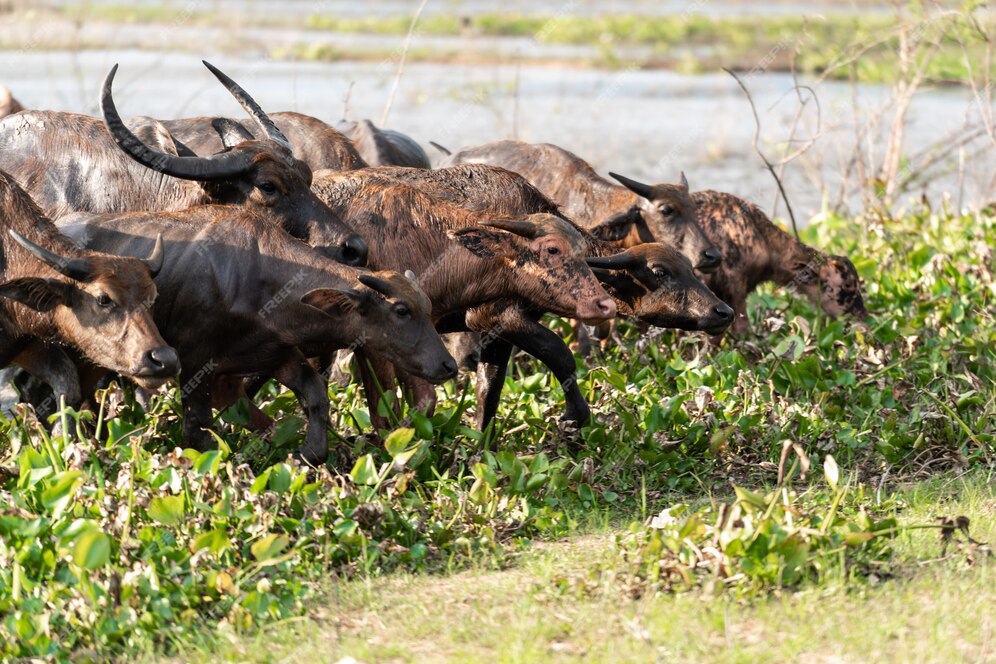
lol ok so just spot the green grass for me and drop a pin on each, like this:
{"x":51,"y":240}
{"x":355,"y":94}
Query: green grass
{"x":934,"y":612}
{"x":120,"y":544}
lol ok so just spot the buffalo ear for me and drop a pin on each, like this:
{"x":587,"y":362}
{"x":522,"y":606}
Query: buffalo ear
{"x":336,"y":301}
{"x":616,"y":228}
{"x":482,"y":242}
{"x":231,"y":132}
{"x":42,"y":295}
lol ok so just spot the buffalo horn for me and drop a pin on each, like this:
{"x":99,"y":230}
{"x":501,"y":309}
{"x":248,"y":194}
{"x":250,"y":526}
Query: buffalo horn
{"x":216,"y":167}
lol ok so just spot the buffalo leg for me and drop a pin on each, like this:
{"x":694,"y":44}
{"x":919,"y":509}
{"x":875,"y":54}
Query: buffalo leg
{"x":377,"y":375}
{"x":491,"y":370}
{"x":52,"y":366}
{"x":300,"y":377}
{"x":195,"y":390}
{"x":543,"y":344}
{"x":228,"y":390}
{"x":421,"y":393}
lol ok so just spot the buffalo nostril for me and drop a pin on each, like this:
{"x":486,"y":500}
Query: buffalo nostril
{"x":450,"y":365}
{"x":355,"y":251}
{"x":724,"y":311}
{"x":711,"y":258}
{"x":607,"y":306}
{"x":163,"y":360}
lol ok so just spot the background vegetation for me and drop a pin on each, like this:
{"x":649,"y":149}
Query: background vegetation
{"x":119,"y":542}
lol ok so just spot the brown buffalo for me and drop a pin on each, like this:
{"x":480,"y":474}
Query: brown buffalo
{"x":239,"y":297}
{"x":756,"y":251}
{"x":626,"y":215}
{"x":52,"y":291}
{"x":463,"y":259}
{"x":384,"y":147}
{"x":314,"y":142}
{"x":73,"y":163}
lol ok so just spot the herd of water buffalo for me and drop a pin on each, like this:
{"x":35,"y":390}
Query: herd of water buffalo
{"x":127,"y":251}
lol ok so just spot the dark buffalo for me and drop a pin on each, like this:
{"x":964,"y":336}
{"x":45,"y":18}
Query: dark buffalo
{"x":239,"y":297}
{"x":52,"y":291}
{"x":756,"y":251}
{"x":384,"y":147}
{"x":626,"y":215}
{"x":314,"y":142}
{"x":73,"y":163}
{"x":463,"y":259}
{"x":654,"y":283}
{"x":679,"y":300}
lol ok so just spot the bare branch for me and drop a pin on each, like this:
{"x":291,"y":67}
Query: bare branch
{"x":760,"y":153}
{"x":401,"y":63}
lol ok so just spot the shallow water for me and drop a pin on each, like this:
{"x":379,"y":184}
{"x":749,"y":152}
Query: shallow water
{"x":650,"y":125}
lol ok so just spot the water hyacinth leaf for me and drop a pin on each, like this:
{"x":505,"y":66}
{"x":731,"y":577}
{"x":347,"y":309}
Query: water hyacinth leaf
{"x":207,"y":463}
{"x":56,"y":497}
{"x":402,"y":458}
{"x":280,"y":478}
{"x":586,"y":494}
{"x":364,"y":470}
{"x":214,"y":541}
{"x":484,"y":473}
{"x":345,"y":529}
{"x":267,"y":548}
{"x":167,"y":510}
{"x":259,"y":484}
{"x":92,"y":549}
{"x":398,"y":440}
{"x":423,"y":425}
{"x":790,"y":348}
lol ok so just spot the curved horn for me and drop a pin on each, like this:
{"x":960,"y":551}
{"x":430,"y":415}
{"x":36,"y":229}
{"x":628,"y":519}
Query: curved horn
{"x":231,"y":132}
{"x":526,"y":229}
{"x":624,"y":260}
{"x":216,"y":167}
{"x":382,"y":286}
{"x":77,"y":269}
{"x":440,"y":148}
{"x":637,"y":188}
{"x":684,"y":181}
{"x":155,"y":259}
{"x":249,"y":104}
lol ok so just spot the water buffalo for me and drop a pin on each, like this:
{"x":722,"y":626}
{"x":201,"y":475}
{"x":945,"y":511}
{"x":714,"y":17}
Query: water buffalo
{"x":52,"y":291}
{"x":627,"y":215}
{"x":463,"y":259}
{"x":240,"y":297}
{"x":756,"y":251}
{"x":384,"y":147}
{"x":73,"y":163}
{"x":681,"y":302}
{"x":314,"y":142}
{"x":654,"y":283}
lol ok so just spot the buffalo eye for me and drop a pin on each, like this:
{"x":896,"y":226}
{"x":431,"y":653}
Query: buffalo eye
{"x":553,"y":251}
{"x":661,"y":273}
{"x":667,"y":210}
{"x":103,"y":300}
{"x":401,"y":310}
{"x":268,"y":188}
